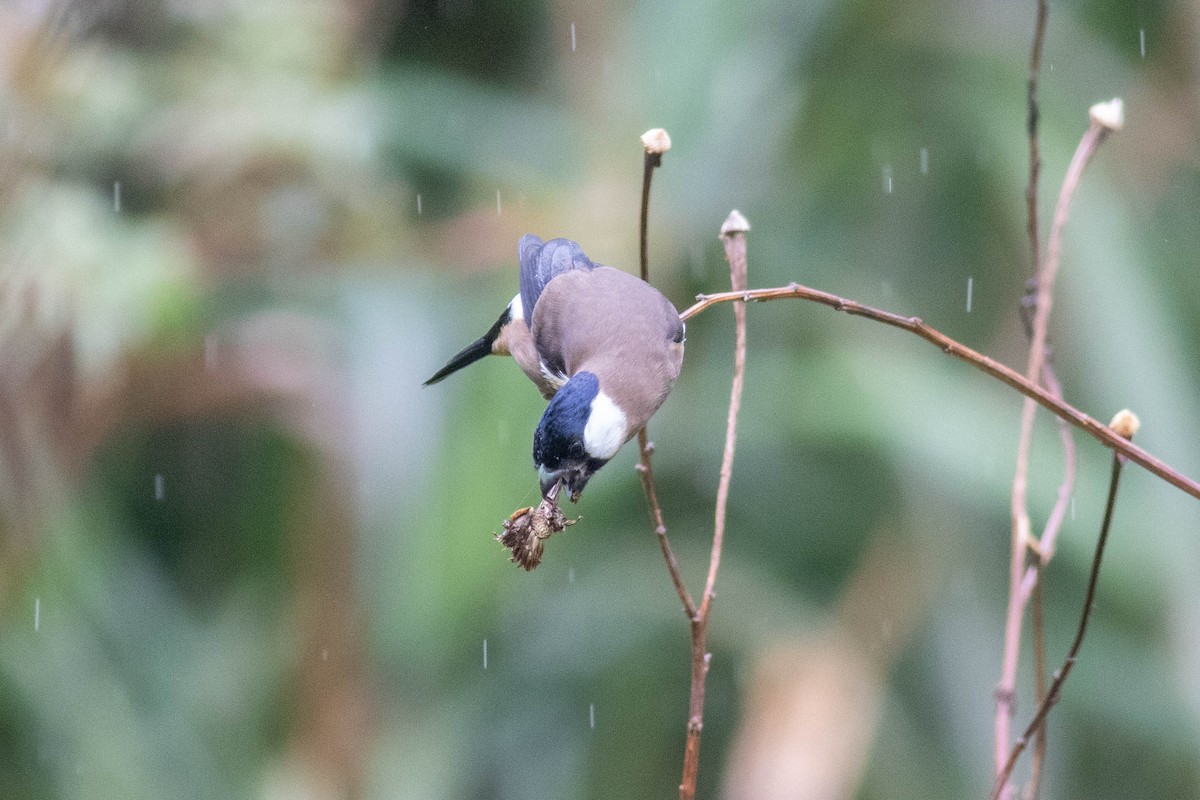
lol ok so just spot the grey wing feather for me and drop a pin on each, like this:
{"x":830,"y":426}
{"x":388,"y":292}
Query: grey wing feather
{"x":541,"y":262}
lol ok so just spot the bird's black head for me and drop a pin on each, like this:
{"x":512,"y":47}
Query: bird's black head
{"x":561,"y":442}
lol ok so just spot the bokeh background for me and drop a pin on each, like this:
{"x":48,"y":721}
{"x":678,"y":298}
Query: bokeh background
{"x":245,"y":554}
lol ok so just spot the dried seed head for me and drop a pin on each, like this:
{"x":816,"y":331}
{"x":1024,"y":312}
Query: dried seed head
{"x":528,"y":528}
{"x":1111,"y":114}
{"x":656,"y":141}
{"x":1125,"y":424}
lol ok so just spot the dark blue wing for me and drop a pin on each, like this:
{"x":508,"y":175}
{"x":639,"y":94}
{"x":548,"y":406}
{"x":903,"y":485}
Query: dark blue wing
{"x":541,"y":262}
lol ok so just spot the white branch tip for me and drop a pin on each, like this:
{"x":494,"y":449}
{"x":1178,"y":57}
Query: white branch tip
{"x":1111,"y":115}
{"x":734,"y":223}
{"x":656,"y":141}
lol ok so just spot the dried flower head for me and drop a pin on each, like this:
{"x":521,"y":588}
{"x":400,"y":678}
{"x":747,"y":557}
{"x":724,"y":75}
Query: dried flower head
{"x":656,"y":141}
{"x":527,"y":529}
{"x":1111,"y":114}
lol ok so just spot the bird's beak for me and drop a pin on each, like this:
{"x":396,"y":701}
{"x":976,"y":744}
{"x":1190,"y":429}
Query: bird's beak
{"x":551,"y":483}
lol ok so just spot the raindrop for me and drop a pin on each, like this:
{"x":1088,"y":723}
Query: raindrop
{"x":887,"y":178}
{"x":160,"y":488}
{"x":497,"y":202}
{"x":592,"y":716}
{"x":324,"y":653}
{"x":572,"y":37}
{"x":924,"y":160}
{"x":1142,"y":41}
{"x":570,"y":575}
{"x":116,"y":197}
{"x":1072,"y":508}
{"x":37,"y":614}
{"x":970,"y":289}
{"x":418,"y":205}
{"x":485,"y":653}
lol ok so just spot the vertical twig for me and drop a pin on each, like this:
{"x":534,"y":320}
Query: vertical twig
{"x":1035,"y":161}
{"x":1045,"y":547}
{"x":1050,"y":381}
{"x":646,"y":449}
{"x":1126,"y":424}
{"x":1105,"y":117}
{"x":655,"y":142}
{"x":1039,"y":676}
{"x":733,"y":235}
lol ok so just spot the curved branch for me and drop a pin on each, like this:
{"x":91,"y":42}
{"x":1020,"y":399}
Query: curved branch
{"x":1088,"y":425}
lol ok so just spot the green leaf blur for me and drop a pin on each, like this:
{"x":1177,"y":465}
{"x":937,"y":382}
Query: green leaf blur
{"x":245,"y":554}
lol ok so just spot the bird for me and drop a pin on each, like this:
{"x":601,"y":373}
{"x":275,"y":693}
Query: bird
{"x":601,"y":345}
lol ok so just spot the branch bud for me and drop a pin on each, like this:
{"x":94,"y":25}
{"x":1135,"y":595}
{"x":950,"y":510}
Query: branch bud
{"x":656,"y":141}
{"x":1125,"y":424}
{"x":1110,"y":115}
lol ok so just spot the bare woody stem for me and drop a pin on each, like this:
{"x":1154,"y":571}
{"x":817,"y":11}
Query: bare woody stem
{"x":1033,"y":574}
{"x":734,"y":238}
{"x":733,"y":235}
{"x":646,"y":449}
{"x":1050,"y":380}
{"x":1022,"y":537}
{"x":651,"y":162}
{"x":1035,"y":161}
{"x":1004,"y":374}
{"x":655,"y":142}
{"x":1060,"y":677}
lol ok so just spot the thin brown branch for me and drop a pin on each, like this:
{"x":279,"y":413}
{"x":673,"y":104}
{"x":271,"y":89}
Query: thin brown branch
{"x":1046,"y":542}
{"x":733,"y":235}
{"x":1060,"y":677}
{"x":652,"y":160}
{"x":1002,"y":373}
{"x":1035,"y":161}
{"x":691,"y":752}
{"x":646,"y":449}
{"x":1022,"y":538}
{"x":1039,"y":677}
{"x":655,"y":142}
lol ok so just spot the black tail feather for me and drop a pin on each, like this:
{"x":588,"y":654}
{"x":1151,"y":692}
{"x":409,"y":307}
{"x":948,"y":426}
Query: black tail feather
{"x":474,"y":351}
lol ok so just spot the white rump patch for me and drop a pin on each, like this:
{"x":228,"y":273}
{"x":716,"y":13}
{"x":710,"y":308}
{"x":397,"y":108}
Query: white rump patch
{"x":606,"y":427}
{"x":516,"y":309}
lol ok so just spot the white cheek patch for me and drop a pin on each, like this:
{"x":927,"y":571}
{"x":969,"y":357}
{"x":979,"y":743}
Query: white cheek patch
{"x":516,"y":309}
{"x":605,"y":430}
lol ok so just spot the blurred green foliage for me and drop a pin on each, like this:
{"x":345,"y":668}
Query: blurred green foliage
{"x":245,"y":554}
